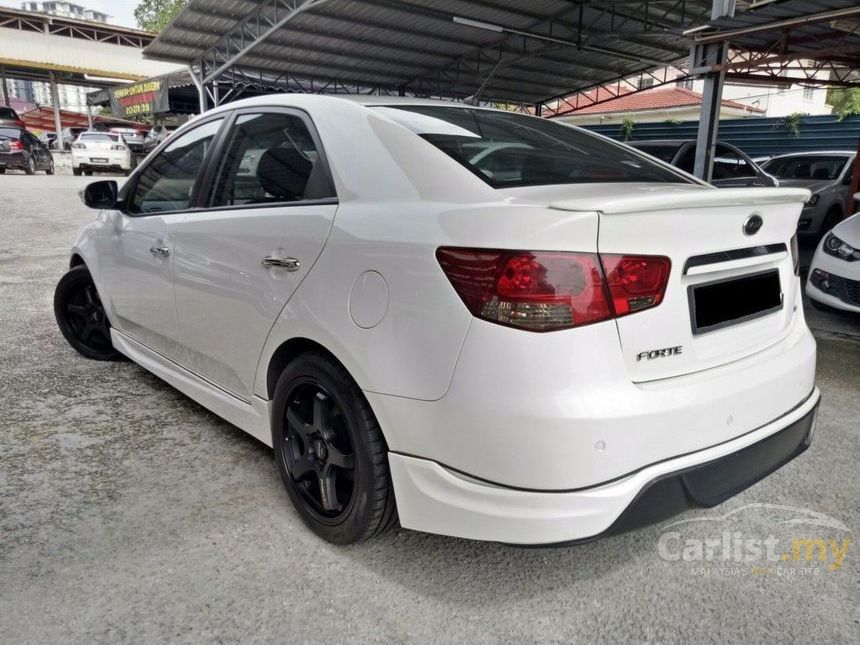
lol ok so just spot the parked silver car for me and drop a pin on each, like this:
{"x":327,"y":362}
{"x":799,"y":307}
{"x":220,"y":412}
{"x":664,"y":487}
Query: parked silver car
{"x":828,"y":175}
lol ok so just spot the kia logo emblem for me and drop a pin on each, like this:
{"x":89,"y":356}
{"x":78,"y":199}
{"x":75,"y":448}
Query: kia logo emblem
{"x":753,"y":225}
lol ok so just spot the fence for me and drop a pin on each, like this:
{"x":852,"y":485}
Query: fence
{"x":758,"y":136}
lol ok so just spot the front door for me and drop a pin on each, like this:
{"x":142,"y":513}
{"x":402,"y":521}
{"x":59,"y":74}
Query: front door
{"x":138,"y":243}
{"x":238,"y":261}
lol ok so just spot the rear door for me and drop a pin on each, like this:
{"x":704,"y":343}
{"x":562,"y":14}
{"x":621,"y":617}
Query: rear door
{"x":269,"y":209}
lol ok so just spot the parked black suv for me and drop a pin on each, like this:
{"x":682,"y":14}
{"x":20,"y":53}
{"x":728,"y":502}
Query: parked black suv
{"x":22,"y":150}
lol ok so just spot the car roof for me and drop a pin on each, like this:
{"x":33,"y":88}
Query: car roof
{"x":303,"y":100}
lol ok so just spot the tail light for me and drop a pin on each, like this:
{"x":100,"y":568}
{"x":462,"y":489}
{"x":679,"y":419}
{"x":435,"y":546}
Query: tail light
{"x":636,"y":282}
{"x":117,"y":146}
{"x":549,"y":290}
{"x":79,"y":146}
{"x":16,"y":145}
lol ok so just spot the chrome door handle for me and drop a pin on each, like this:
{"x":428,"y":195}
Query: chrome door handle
{"x":160,"y":251}
{"x":282,"y":261}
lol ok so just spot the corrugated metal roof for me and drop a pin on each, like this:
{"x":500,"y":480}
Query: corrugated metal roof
{"x":780,"y":26}
{"x":416,"y":45}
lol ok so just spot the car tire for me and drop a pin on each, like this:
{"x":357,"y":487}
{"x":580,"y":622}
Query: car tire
{"x":77,"y":172}
{"x":30,"y":168}
{"x":831,"y":219}
{"x":3,"y":171}
{"x":50,"y":169}
{"x":330,"y":451}
{"x":88,"y":173}
{"x":81,"y":316}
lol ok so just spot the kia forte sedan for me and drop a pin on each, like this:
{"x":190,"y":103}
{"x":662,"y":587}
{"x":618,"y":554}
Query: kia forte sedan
{"x":554,"y":341}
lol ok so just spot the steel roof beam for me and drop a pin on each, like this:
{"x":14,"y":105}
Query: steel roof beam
{"x":255,"y":28}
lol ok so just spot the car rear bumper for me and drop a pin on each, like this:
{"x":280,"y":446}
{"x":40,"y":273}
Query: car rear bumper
{"x":557,"y":412}
{"x":436,"y":499}
{"x":101,"y":161}
{"x":13,"y":160}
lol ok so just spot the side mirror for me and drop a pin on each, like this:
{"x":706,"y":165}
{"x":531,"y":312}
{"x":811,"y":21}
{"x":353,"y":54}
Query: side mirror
{"x":100,"y":194}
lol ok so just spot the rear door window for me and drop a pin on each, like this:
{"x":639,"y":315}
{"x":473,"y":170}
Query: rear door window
{"x":270,"y":158}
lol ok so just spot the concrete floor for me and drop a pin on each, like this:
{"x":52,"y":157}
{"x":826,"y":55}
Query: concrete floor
{"x":129,"y":514}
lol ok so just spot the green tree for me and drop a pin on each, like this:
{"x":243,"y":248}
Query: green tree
{"x":153,"y":15}
{"x":845,"y":101}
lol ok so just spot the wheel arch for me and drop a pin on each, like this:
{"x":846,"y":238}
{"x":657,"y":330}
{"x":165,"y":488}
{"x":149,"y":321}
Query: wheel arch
{"x":76,"y":260}
{"x":288,"y":351}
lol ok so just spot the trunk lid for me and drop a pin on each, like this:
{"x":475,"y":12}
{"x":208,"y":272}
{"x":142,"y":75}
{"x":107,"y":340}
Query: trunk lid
{"x":701,"y":230}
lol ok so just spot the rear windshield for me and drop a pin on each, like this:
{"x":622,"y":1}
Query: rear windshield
{"x":10,"y":133}
{"x":508,"y":150}
{"x":8,"y":113}
{"x":99,"y":136}
{"x":806,"y":167}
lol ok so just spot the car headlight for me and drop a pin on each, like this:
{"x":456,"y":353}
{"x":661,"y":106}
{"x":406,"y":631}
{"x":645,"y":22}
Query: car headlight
{"x":812,"y":201}
{"x":839,"y":249}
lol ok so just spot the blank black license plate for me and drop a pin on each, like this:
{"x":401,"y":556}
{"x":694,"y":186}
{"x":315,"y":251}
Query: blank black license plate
{"x":718,"y":304}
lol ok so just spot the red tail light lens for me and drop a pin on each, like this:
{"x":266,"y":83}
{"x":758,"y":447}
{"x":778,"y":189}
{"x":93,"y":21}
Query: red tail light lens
{"x":549,"y":290}
{"x":539,"y":291}
{"x":15,"y":145}
{"x":636,"y":282}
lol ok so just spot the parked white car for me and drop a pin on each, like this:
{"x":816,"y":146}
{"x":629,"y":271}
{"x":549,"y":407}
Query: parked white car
{"x":834,"y":276}
{"x":102,"y":151}
{"x":539,"y":353}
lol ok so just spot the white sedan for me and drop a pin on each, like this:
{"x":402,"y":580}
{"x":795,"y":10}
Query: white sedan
{"x":834,"y":276}
{"x":543,"y":351}
{"x":102,"y":151}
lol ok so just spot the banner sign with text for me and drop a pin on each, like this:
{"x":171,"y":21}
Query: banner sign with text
{"x":140,"y":99}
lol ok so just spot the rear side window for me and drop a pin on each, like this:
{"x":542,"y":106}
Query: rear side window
{"x":728,"y":164}
{"x":167,"y":181}
{"x":508,"y":150}
{"x":270,"y":158}
{"x":10,"y":133}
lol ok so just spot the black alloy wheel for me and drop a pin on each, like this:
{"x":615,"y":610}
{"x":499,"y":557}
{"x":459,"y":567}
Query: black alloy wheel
{"x":81,"y":316}
{"x":318,"y":453}
{"x":330,"y":451}
{"x":30,"y":168}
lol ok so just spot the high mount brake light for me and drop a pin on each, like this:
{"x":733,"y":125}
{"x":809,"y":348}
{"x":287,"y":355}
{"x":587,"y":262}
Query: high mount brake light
{"x":551,"y":290}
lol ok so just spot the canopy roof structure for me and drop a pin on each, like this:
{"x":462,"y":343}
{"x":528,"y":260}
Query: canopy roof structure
{"x":791,"y":41}
{"x":501,"y":50}
{"x":549,"y":57}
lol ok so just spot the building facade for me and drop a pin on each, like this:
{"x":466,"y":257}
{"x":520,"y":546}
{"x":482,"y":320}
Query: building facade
{"x":71,"y":97}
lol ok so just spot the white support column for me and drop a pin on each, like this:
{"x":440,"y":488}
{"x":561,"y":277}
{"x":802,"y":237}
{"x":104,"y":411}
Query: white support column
{"x":55,"y":99}
{"x":5,"y":89}
{"x":201,"y":89}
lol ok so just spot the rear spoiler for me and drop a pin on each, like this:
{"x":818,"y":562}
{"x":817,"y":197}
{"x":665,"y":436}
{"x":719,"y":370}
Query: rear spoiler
{"x":655,"y":197}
